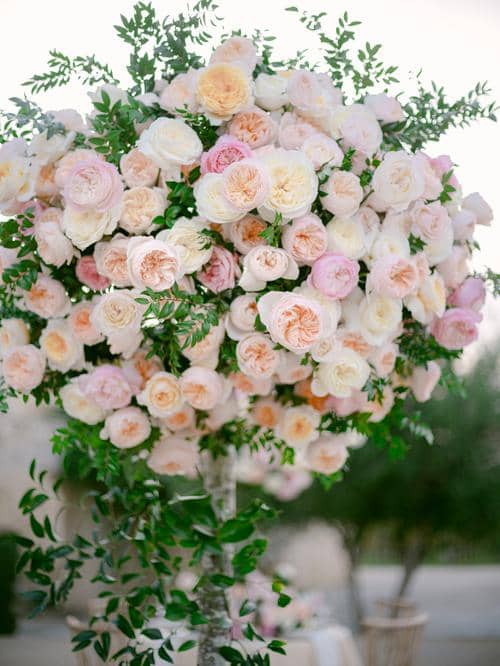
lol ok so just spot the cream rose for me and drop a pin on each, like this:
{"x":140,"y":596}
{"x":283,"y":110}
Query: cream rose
{"x":264,"y":264}
{"x":345,"y":372}
{"x":192,"y":245}
{"x":379,"y":318}
{"x":138,"y":170}
{"x":53,"y":246}
{"x":211,"y":201}
{"x":430,"y":299}
{"x":47,"y":298}
{"x":343,"y":194}
{"x":170,"y":141}
{"x":13,"y":333}
{"x":152,"y":263}
{"x":326,"y":455}
{"x":140,"y":206}
{"x":180,"y":93}
{"x":242,"y":315}
{"x":271,"y":91}
{"x":84,"y":228}
{"x":118,"y":316}
{"x":223,"y":89}
{"x":346,"y":236}
{"x":173,"y":455}
{"x":238,"y":50}
{"x":246,"y":233}
{"x":77,"y":405}
{"x":294,"y":184}
{"x":62,"y":350}
{"x":201,"y":387}
{"x":398,"y":180}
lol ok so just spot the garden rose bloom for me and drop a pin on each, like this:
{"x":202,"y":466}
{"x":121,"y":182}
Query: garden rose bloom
{"x":246,"y":184}
{"x":271,"y":91}
{"x":107,"y":386}
{"x":138,"y":170}
{"x":93,"y":185}
{"x":181,"y":419}
{"x":246,"y":233}
{"x":424,"y":380}
{"x":62,"y":350}
{"x":254,"y":127}
{"x":475,"y":203}
{"x":247,"y":386}
{"x":457,"y":328}
{"x":398,"y":180}
{"x":264,"y":264}
{"x":470,"y":294}
{"x":343,"y":194}
{"x":77,"y":405}
{"x":170,"y":141}
{"x":86,"y":271}
{"x":298,"y":426}
{"x":118,"y":316}
{"x":345,"y":372}
{"x":257,"y":356}
{"x":126,"y":428}
{"x":294,"y":184}
{"x":161,"y":394}
{"x":432,"y":179}
{"x":13,"y":333}
{"x":294,"y":321}
{"x":174,"y":455}
{"x":152,"y":263}
{"x":53,"y":246}
{"x":211,"y":201}
{"x":242,"y":315}
{"x":464,"y":224}
{"x":266,"y":412}
{"x":239,"y":50}
{"x":379,"y":318}
{"x":219,"y":273}
{"x":180,"y":93}
{"x":358,"y":128}
{"x":432,"y":224}
{"x":223,"y":89}
{"x":191,"y":245}
{"x":312,"y":94}
{"x":140,"y":206}
{"x":393,"y":276}
{"x":430,"y":299}
{"x":346,"y":236}
{"x":47,"y":298}
{"x":111,"y":260}
{"x":294,"y":130}
{"x":226,"y":151}
{"x":201,"y":388}
{"x":305,"y":239}
{"x":80,"y":323}
{"x":455,"y":268}
{"x":321,"y":150}
{"x":68,"y":162}
{"x":386,"y":108}
{"x":84,"y":228}
{"x":334,"y":275}
{"x":291,"y":369}
{"x":23,"y":367}
{"x":326,"y":455}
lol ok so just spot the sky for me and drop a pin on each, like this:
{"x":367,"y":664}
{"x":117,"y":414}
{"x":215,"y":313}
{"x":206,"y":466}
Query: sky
{"x":454,"y":42}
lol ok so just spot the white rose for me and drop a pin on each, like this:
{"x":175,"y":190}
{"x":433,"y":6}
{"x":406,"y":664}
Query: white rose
{"x":211,"y":202}
{"x":193,"y":247}
{"x":357,"y":126}
{"x":13,"y":333}
{"x":429,"y":301}
{"x":84,"y":228}
{"x":343,"y":194}
{"x":17,"y":175}
{"x":345,"y":372}
{"x":346,"y":236}
{"x":398,"y":180}
{"x":271,"y":91}
{"x":386,"y":108}
{"x":62,"y":350}
{"x":264,"y":264}
{"x":379,"y":318}
{"x":49,"y":150}
{"x":321,"y":150}
{"x":388,"y":242}
{"x":170,"y":140}
{"x":476,"y":204}
{"x":53,"y":246}
{"x":294,"y":184}
{"x":118,"y":316}
{"x":78,"y":406}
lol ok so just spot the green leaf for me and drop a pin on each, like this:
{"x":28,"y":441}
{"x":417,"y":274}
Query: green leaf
{"x":124,"y":626}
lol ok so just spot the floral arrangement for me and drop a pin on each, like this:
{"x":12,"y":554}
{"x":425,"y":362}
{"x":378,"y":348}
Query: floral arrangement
{"x":244,"y":255}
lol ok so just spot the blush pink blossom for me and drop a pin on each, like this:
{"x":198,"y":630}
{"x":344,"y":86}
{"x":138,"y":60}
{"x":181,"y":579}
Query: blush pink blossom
{"x":23,"y":367}
{"x":86,"y":272}
{"x":424,"y":380}
{"x":107,"y":386}
{"x":226,"y":151}
{"x":93,"y":185}
{"x":305,"y":239}
{"x":126,"y":428}
{"x":441,"y":165}
{"x":254,"y":127}
{"x":219,"y":273}
{"x":393,"y":276}
{"x":334,"y":275}
{"x":457,"y":328}
{"x":470,"y":294}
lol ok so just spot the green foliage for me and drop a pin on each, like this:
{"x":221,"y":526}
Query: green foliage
{"x":27,"y":119}
{"x":272,"y":233}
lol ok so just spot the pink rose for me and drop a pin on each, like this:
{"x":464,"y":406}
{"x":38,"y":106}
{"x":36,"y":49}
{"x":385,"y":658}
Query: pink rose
{"x":470,"y":294}
{"x":475,"y":203}
{"x":393,"y":276}
{"x":424,"y":380}
{"x":454,"y":269}
{"x":152,"y":263}
{"x":47,"y":298}
{"x":126,"y":428}
{"x":67,"y":163}
{"x":305,"y":239}
{"x":334,"y":275}
{"x":23,"y":367}
{"x":201,"y":388}
{"x":443,"y":164}
{"x":219,"y":273}
{"x":86,"y":272}
{"x":93,"y":185}
{"x":80,"y":323}
{"x":257,"y":356}
{"x":111,"y":260}
{"x":386,"y":108}
{"x":226,"y":151}
{"x":138,"y":170}
{"x":107,"y":387}
{"x":456,"y":328}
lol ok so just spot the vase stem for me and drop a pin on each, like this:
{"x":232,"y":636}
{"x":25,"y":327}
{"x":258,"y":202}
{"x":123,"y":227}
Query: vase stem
{"x":220,"y":483}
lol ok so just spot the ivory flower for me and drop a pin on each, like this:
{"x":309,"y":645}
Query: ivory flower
{"x":86,"y":227}
{"x":346,"y":236}
{"x":77,"y":405}
{"x":379,"y":318}
{"x":62,"y":349}
{"x":343,"y":194}
{"x":238,"y":50}
{"x":13,"y":333}
{"x":475,"y":203}
{"x":170,"y":141}
{"x":346,"y":372}
{"x":398,"y":180}
{"x":242,"y":315}
{"x":294,"y":184}
{"x":138,"y":170}
{"x":161,"y":394}
{"x":201,"y":388}
{"x":188,"y":240}
{"x":271,"y":91}
{"x":118,"y":316}
{"x":211,"y":201}
{"x":264,"y":264}
{"x":140,"y":206}
{"x":430,"y":299}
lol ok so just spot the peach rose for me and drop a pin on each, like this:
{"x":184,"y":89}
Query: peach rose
{"x":47,"y":298}
{"x":305,"y":239}
{"x":254,"y":127}
{"x":291,"y":369}
{"x":180,"y":93}
{"x":80,"y":323}
{"x":152,"y":263}
{"x":77,"y":405}
{"x":423,"y":381}
{"x":126,"y":428}
{"x":86,"y":271}
{"x":257,"y":356}
{"x":118,"y":316}
{"x":343,"y":194}
{"x":181,"y":419}
{"x":138,"y":170}
{"x":13,"y":333}
{"x":266,"y":412}
{"x":326,"y":455}
{"x":246,"y":184}
{"x":93,"y":185}
{"x":161,"y":394}
{"x":175,"y":455}
{"x":248,"y":386}
{"x":294,"y":131}
{"x":111,"y":260}
{"x":245,"y":234}
{"x":107,"y":387}
{"x":223,"y":89}
{"x":140,"y":368}
{"x":140,"y":206}
{"x":23,"y":367}
{"x":201,"y":388}
{"x":393,"y":276}
{"x":62,"y":350}
{"x":298,"y":426}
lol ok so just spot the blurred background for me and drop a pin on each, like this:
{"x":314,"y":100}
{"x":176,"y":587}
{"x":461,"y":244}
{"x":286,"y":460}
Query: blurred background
{"x":425,"y":527}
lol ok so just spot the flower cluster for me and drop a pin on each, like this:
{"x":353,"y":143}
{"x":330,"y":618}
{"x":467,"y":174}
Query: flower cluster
{"x":320,"y":244}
